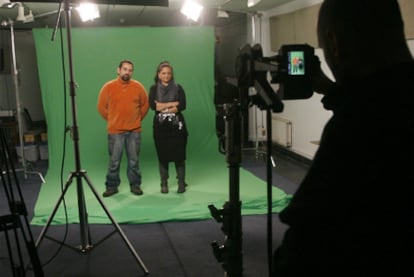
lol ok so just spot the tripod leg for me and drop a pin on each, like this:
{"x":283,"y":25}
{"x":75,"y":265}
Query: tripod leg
{"x":118,"y":228}
{"x":83,"y":215}
{"x":5,"y":221}
{"x":31,"y":248}
{"x":52,"y":215}
{"x":34,"y":258}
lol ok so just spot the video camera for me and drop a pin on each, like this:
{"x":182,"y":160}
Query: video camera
{"x":291,"y":69}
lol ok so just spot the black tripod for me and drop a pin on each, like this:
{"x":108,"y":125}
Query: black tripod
{"x":79,"y":175}
{"x":17,"y":220}
{"x":252,"y":69}
{"x":229,"y":254}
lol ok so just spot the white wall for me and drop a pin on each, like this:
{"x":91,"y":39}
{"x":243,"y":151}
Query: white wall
{"x":308,"y":117}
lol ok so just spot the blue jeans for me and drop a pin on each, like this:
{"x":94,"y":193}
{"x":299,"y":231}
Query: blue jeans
{"x":116,"y":143}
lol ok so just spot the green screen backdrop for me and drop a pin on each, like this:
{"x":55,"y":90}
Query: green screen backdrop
{"x":96,"y":55}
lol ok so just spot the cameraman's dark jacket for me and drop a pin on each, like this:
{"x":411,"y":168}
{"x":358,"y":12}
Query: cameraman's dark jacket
{"x":359,"y":192}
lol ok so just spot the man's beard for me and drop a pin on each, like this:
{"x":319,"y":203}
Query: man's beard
{"x":125,"y":77}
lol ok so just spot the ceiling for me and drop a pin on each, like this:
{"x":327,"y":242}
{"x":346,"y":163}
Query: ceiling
{"x":45,"y":14}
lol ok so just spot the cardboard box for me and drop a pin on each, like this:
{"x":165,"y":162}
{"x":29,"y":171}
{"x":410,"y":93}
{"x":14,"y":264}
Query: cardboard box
{"x":31,"y":137}
{"x":43,"y":151}
{"x":30,"y":152}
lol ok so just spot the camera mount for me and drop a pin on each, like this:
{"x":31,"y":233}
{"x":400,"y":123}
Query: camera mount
{"x":291,"y":70}
{"x":229,"y":254}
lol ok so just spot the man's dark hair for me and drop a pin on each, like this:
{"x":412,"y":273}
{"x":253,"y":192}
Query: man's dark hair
{"x":125,"y":61}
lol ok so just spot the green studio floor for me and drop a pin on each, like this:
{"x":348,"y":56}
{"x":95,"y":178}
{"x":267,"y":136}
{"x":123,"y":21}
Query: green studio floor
{"x":208,"y":184}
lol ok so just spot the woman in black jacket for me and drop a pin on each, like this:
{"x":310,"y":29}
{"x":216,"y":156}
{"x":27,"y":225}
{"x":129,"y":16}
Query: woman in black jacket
{"x":167,"y":99}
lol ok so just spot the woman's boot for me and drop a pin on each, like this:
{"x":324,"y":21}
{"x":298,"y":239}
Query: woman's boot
{"x":180,"y":168}
{"x":164,"y":187}
{"x":163,"y":167}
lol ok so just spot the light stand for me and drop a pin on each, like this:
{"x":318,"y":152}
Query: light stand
{"x":267,"y":104}
{"x":79,"y":174}
{"x":18,"y":104}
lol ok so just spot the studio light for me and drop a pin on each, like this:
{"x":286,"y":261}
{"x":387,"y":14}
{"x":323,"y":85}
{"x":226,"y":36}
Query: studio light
{"x":88,"y":11}
{"x":222,"y":13}
{"x":20,"y":13}
{"x":21,"y":17}
{"x":7,"y":4}
{"x":251,"y":3}
{"x":192,"y":10}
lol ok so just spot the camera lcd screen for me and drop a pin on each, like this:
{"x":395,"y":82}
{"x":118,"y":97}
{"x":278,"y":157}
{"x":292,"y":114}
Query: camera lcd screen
{"x":296,"y":63}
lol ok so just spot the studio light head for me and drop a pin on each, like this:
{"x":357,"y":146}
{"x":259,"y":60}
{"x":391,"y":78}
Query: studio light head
{"x":7,"y":4}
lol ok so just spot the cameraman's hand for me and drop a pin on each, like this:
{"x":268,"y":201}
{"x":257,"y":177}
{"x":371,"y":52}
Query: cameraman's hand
{"x":320,"y":82}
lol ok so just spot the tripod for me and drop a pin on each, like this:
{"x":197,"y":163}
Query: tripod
{"x":251,"y":71}
{"x":229,"y":254}
{"x":79,"y":175}
{"x":17,"y":219}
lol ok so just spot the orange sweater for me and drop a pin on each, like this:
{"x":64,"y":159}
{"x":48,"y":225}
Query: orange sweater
{"x":123,"y":105}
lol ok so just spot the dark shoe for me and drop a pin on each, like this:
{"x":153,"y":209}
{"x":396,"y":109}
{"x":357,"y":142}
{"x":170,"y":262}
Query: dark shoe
{"x":164,"y":188}
{"x":181,"y":188}
{"x":109,"y":192}
{"x":136,"y":190}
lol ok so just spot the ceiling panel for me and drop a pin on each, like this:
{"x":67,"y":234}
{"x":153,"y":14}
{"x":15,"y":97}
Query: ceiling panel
{"x":140,"y":14}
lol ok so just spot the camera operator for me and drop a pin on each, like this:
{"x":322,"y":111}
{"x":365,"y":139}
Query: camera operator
{"x":353,"y":214}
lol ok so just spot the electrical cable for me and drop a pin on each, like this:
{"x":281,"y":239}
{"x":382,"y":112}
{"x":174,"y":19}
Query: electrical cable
{"x":65,"y":235}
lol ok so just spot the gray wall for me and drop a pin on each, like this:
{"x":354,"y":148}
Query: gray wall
{"x":28,"y":82}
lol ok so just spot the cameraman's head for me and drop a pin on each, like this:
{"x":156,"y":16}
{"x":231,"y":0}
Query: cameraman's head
{"x":359,"y":37}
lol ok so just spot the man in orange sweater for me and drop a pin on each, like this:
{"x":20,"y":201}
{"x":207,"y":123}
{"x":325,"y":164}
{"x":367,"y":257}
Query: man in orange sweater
{"x":123,"y":103}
